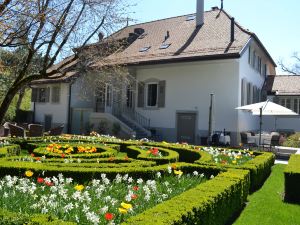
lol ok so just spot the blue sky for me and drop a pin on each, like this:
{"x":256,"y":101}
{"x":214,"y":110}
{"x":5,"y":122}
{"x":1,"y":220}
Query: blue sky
{"x":275,"y":22}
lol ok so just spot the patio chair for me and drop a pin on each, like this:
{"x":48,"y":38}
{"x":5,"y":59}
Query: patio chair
{"x":35,"y":130}
{"x":268,"y":144}
{"x":16,"y":131}
{"x":56,"y":131}
{"x":245,"y":141}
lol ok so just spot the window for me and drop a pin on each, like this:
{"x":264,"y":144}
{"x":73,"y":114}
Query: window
{"x":145,"y":49}
{"x":249,"y":55}
{"x":296,"y":105}
{"x":249,"y":93}
{"x":288,"y":103}
{"x":258,"y":68}
{"x":152,"y":93}
{"x":190,"y":17}
{"x":253,"y":59}
{"x":42,"y":95}
{"x":164,"y":46}
{"x":55,"y":94}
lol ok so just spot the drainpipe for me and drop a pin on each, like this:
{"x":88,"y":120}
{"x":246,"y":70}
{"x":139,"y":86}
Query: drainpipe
{"x":69,"y":109}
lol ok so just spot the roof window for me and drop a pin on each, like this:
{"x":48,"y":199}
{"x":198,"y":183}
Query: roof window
{"x":190,"y":17}
{"x":164,"y":46}
{"x":142,"y":36}
{"x":144,"y":49}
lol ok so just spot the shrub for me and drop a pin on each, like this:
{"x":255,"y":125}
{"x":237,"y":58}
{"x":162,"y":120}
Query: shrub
{"x":167,"y":157}
{"x":10,"y":150}
{"x":292,"y":141}
{"x":213,"y":202}
{"x":292,"y":180}
{"x":12,"y":218}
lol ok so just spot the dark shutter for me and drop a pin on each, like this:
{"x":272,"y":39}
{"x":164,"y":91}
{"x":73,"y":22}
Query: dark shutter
{"x":34,"y":94}
{"x":161,"y":93}
{"x":141,"y":94}
{"x":242,"y":93}
{"x":47,"y":94}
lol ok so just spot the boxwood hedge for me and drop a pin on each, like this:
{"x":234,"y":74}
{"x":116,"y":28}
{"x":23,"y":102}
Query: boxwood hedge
{"x":292,"y":180}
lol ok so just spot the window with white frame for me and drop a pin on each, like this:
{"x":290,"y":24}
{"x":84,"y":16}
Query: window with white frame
{"x":152,"y":94}
{"x":129,"y":96}
{"x":108,"y":95}
{"x":292,"y":103}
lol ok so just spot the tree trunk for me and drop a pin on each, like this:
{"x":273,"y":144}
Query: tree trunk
{"x":7,"y":101}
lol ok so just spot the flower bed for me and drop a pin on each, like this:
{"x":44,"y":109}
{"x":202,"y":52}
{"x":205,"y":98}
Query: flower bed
{"x":118,"y":199}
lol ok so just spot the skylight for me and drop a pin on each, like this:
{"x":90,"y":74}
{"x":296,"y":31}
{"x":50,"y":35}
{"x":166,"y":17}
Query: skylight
{"x":190,"y":17}
{"x":164,"y":46}
{"x":144,"y":49}
{"x":142,"y":36}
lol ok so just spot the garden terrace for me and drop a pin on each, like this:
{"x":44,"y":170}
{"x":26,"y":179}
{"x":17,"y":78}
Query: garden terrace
{"x":88,"y":158}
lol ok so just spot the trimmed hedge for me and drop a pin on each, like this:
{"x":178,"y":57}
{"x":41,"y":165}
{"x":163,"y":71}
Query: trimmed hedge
{"x":12,"y":218}
{"x":138,"y":153}
{"x":213,"y":202}
{"x":292,"y":180}
{"x":259,"y":167}
{"x":10,"y":150}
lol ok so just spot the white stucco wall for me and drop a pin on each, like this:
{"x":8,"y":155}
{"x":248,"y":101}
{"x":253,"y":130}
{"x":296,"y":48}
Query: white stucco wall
{"x":59,"y":111}
{"x":246,"y":121}
{"x":188,"y":88}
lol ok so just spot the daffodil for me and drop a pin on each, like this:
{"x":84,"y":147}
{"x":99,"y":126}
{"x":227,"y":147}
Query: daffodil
{"x":28,"y":173}
{"x":79,"y":187}
{"x":234,"y":161}
{"x":126,"y":205}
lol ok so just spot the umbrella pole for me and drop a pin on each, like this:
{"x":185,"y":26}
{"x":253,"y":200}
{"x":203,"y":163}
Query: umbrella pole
{"x":260,"y":124}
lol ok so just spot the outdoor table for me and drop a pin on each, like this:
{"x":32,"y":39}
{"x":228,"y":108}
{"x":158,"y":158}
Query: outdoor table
{"x":224,"y":139}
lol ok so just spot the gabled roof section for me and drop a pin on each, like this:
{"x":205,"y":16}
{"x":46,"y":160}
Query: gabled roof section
{"x":188,"y":42}
{"x":283,"y":85}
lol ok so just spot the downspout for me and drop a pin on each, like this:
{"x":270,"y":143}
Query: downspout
{"x":69,"y":109}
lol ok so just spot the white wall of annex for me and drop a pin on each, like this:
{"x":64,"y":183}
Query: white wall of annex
{"x":246,"y":121}
{"x":188,"y":88}
{"x":59,"y":111}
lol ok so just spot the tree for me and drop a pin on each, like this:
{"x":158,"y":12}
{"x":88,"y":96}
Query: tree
{"x":52,"y":29}
{"x":293,"y":69}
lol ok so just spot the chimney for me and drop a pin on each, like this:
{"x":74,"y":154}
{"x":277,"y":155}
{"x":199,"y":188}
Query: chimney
{"x":232,"y":30}
{"x":200,"y":13}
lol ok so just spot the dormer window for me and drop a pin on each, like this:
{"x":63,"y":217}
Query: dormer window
{"x":190,"y":17}
{"x":164,"y":46}
{"x":145,"y":49}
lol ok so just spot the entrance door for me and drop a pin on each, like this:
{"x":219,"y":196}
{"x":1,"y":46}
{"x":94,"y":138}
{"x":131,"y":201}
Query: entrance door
{"x":48,"y":122}
{"x":186,"y":127}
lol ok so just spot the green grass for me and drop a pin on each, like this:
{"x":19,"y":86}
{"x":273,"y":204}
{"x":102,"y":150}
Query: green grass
{"x":266,"y":206}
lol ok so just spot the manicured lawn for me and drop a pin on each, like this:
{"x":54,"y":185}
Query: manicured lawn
{"x":266,"y":206}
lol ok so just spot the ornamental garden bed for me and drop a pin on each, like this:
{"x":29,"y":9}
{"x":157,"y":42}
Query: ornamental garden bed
{"x":86,"y":159}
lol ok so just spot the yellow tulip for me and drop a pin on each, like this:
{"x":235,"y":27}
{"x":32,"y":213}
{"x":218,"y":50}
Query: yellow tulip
{"x":234,"y":161}
{"x":28,"y":173}
{"x":126,"y":206}
{"x":178,"y":172}
{"x":122,"y":210}
{"x":79,"y":187}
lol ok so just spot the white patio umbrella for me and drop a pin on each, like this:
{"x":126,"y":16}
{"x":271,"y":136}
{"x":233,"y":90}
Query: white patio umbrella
{"x":266,"y":108}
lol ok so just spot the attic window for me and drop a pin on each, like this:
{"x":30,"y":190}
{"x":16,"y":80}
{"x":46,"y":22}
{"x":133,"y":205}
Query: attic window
{"x":142,"y":36}
{"x":164,"y":46}
{"x":144,"y":49}
{"x":190,"y":17}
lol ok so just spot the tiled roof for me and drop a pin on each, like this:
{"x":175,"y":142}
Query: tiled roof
{"x":283,"y":85}
{"x":187,"y":42}
{"x":212,"y":40}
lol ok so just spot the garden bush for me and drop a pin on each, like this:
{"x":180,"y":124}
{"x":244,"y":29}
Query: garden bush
{"x":213,"y":202}
{"x":292,"y":180}
{"x":292,"y":141}
{"x":10,"y":150}
{"x":152,"y":154}
{"x":12,"y":218}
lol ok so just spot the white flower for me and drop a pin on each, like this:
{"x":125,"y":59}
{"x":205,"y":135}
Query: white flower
{"x":92,"y":217}
{"x":158,"y":174}
{"x":104,"y":209}
{"x":169,"y":169}
{"x":140,"y":181}
{"x":195,"y":173}
{"x":125,"y":177}
{"x":118,"y":178}
{"x":147,"y":197}
{"x":212,"y":176}
{"x":68,"y":207}
{"x":130,"y":179}
{"x":202,"y":175}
